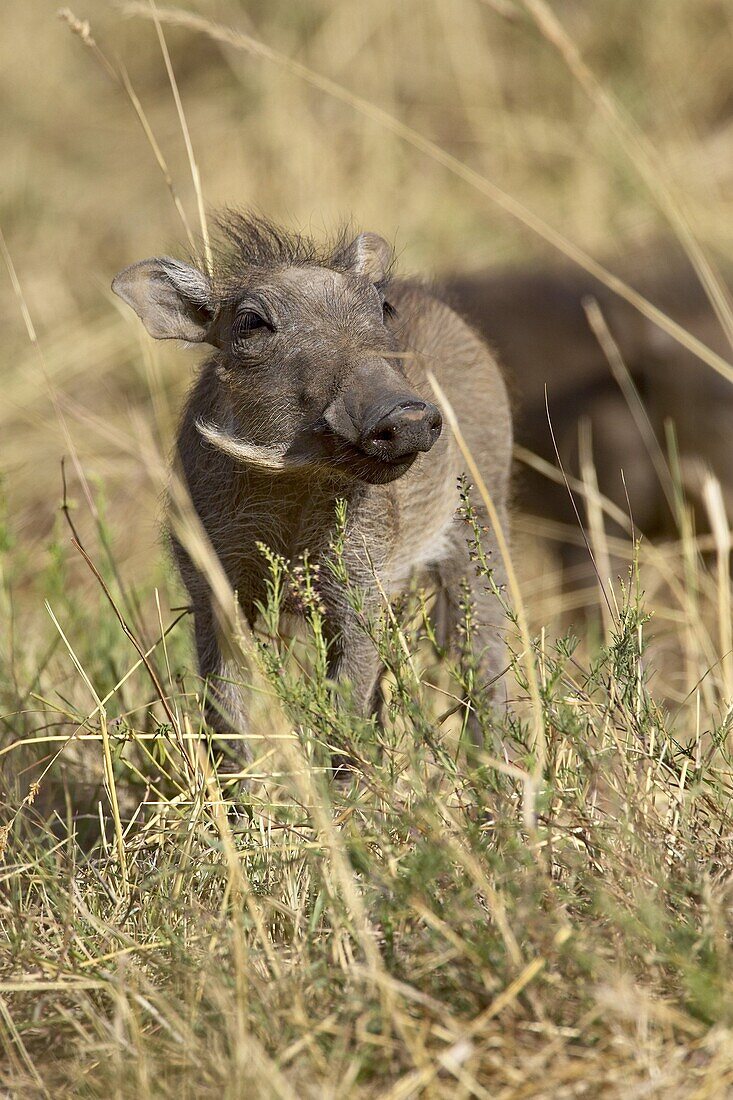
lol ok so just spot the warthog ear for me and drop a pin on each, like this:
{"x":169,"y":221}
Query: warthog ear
{"x":370,"y":255}
{"x":173,"y":301}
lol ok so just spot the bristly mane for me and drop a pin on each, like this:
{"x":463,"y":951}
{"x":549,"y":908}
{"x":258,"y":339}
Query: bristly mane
{"x":245,"y":241}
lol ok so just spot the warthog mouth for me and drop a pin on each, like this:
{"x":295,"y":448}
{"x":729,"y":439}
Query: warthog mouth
{"x":373,"y":470}
{"x":349,"y":458}
{"x":343,"y":457}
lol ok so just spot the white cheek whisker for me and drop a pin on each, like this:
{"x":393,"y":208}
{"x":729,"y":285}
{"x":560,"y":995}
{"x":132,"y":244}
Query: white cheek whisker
{"x":266,"y":458}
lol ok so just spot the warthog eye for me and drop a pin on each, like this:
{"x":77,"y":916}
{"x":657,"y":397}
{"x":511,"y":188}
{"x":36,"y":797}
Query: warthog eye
{"x":247,"y":322}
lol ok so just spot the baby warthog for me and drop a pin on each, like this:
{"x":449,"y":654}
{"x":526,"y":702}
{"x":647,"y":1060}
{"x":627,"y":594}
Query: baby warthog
{"x":316,"y":391}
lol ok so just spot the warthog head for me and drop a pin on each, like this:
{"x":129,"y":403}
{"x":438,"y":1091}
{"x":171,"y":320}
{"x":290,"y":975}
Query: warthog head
{"x":306,"y":369}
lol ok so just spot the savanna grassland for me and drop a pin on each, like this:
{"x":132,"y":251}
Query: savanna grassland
{"x":548,"y":918}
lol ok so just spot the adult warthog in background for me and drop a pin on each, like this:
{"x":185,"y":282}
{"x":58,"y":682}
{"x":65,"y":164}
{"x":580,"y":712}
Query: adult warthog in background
{"x":536,"y":321}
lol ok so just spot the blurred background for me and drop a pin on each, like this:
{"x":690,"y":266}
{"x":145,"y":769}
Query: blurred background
{"x":82,"y":194}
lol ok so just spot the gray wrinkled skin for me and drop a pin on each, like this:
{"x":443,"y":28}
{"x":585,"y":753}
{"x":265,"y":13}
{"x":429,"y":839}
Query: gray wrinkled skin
{"x":276,"y":429}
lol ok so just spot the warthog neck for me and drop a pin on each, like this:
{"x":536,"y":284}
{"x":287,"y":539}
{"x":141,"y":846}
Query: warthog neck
{"x":296,"y":511}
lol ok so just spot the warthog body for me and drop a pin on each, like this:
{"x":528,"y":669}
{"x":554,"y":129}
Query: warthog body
{"x":536,"y":322}
{"x":316,"y":391}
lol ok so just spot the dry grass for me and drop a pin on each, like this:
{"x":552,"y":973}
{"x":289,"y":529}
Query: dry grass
{"x":417,"y":934}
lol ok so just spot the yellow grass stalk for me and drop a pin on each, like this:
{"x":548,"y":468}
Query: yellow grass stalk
{"x":193,"y":165}
{"x":626,"y":384}
{"x":596,"y":528}
{"x":15,"y":282}
{"x":19,"y":1045}
{"x":82,"y":29}
{"x":715,"y":506}
{"x":107,"y":752}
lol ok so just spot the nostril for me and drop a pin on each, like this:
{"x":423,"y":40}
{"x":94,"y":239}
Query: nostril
{"x":434,"y":423}
{"x":384,"y":435}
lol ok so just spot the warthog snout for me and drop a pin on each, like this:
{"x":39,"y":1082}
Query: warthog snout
{"x":395,"y":429}
{"x":378,"y":424}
